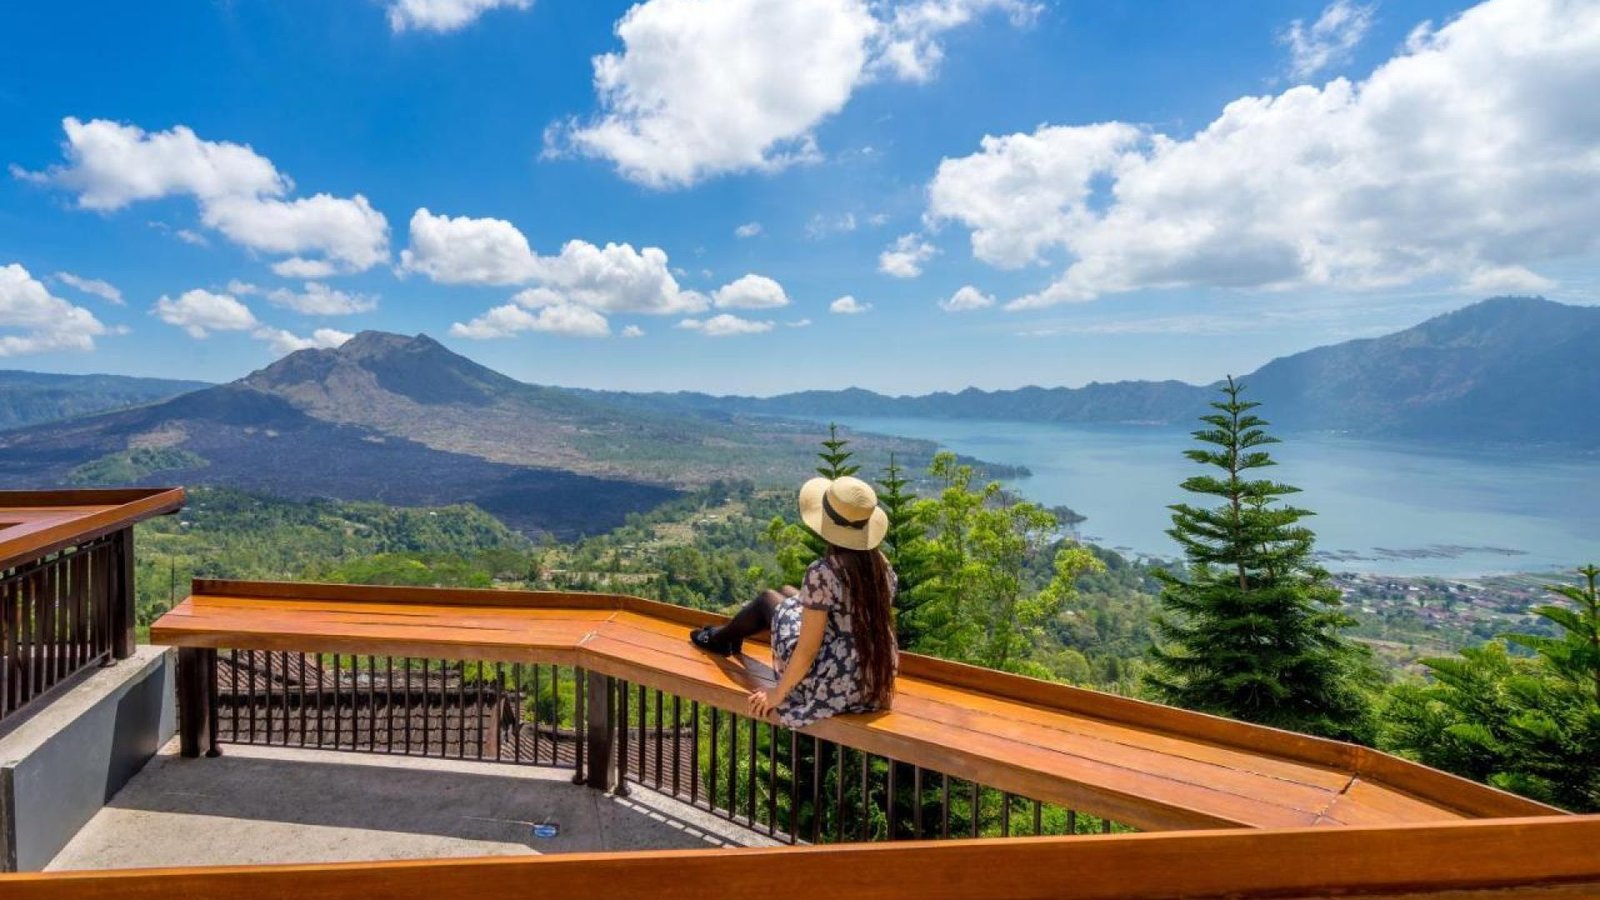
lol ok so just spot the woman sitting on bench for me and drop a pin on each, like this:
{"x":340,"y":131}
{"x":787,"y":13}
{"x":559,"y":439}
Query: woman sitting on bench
{"x":833,"y":644}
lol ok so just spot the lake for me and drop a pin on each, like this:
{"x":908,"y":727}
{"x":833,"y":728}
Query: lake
{"x":1384,"y":508}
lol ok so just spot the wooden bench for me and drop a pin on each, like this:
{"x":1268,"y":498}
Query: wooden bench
{"x":1146,"y":765}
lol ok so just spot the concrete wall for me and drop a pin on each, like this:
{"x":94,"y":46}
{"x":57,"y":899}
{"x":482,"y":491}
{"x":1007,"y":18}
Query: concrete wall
{"x":64,"y":762}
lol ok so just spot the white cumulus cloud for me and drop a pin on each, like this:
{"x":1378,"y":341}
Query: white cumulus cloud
{"x":443,"y":15}
{"x":848,"y":306}
{"x":613,"y":278}
{"x":105,"y":290}
{"x":554,"y":318}
{"x":1329,"y":40}
{"x":750,"y":292}
{"x":748,"y":230}
{"x":1415,"y":172}
{"x":965,"y":299}
{"x":34,"y":321}
{"x":201,"y":312}
{"x":702,"y":89}
{"x":909,"y":42}
{"x":240,"y":193}
{"x":632,"y":331}
{"x":318,"y":299}
{"x":904,"y":258}
{"x":282,"y":341}
{"x":725,"y":325}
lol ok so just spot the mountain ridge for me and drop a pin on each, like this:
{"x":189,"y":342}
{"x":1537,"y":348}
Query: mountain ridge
{"x":404,"y":420}
{"x":27,"y":398}
{"x":1532,"y":360}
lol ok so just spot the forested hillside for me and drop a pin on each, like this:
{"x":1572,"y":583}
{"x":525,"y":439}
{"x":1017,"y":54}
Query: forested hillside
{"x":28,"y":398}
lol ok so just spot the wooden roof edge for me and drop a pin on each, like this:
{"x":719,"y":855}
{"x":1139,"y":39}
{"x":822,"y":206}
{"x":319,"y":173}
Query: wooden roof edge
{"x":1381,"y":769}
{"x":129,"y":506}
{"x":1510,"y":856}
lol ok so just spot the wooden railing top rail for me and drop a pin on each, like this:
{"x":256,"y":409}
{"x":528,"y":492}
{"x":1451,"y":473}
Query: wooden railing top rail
{"x":1548,"y":858}
{"x":1143,"y":764}
{"x":38,"y":523}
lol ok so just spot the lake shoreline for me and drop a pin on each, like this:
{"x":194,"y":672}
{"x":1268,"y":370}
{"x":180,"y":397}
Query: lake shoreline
{"x":1384,"y":508}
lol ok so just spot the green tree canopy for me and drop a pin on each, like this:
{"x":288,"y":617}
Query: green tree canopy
{"x":1253,"y":630}
{"x":1529,"y":724}
{"x":974,"y":602}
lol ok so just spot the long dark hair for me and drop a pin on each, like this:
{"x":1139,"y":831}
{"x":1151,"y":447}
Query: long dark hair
{"x":867,"y":581}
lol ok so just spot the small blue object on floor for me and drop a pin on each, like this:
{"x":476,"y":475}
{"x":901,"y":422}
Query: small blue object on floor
{"x":546,"y":830}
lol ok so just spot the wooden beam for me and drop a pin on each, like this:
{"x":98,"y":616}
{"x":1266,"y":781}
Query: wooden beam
{"x":1508,"y":859}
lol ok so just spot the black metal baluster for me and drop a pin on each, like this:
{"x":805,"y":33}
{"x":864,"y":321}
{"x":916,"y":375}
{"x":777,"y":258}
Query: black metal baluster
{"x":862,"y":827}
{"x":838,"y":785}
{"x":580,"y":714}
{"x":481,"y":711}
{"x":388,"y":705}
{"x":1038,"y":819}
{"x":733,"y":765}
{"x":300,"y":710}
{"x":890,"y":813}
{"x":977,"y":807}
{"x":537,"y":701}
{"x":620,"y":698}
{"x":916,"y":803}
{"x":13,"y":634}
{"x":694,"y":752}
{"x":499,"y":699}
{"x":816,"y":790}
{"x":516,"y":709}
{"x":794,"y":786}
{"x":1005,"y":814}
{"x":677,"y":741}
{"x":750,"y":778}
{"x":660,"y":748}
{"x":640,"y":772}
{"x":772,"y":779}
{"x":233,"y":706}
{"x":1072,"y":821}
{"x":711,"y":771}
{"x":45,"y":612}
{"x":944,"y":805}
{"x":250,"y":663}
{"x":270,"y":713}
{"x":410,"y":699}
{"x":461,"y":710}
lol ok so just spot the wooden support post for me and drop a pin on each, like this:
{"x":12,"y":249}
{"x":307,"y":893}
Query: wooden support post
{"x":122,"y":597}
{"x":197,"y":689}
{"x":601,"y":694}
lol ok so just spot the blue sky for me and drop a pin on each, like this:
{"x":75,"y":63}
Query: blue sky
{"x":1012,"y":192}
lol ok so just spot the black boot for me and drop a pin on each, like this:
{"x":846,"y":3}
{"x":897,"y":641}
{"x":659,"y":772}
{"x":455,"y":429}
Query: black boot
{"x":705,"y":637}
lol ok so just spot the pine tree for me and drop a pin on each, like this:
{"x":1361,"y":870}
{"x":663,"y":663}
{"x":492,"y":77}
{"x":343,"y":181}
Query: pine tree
{"x":1254,"y":630}
{"x":905,"y":547}
{"x":1529,"y":724}
{"x":797,"y":546}
{"x":835,"y":458}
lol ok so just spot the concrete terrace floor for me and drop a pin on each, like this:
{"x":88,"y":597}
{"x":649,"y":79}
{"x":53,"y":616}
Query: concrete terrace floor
{"x":278,"y":805}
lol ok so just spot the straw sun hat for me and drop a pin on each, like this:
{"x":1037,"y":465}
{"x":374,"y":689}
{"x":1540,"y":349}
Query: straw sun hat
{"x":844,"y":511}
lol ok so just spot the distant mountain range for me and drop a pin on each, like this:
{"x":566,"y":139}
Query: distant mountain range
{"x":405,"y":420}
{"x":1509,"y":370}
{"x":30,"y":397}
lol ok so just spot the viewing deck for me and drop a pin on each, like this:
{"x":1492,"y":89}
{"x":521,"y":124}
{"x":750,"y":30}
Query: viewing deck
{"x":37,"y":523}
{"x":1145,"y":765}
{"x":975,"y":784}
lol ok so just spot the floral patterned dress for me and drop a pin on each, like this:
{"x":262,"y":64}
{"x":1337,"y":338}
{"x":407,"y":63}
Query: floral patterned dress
{"x":837,"y":682}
